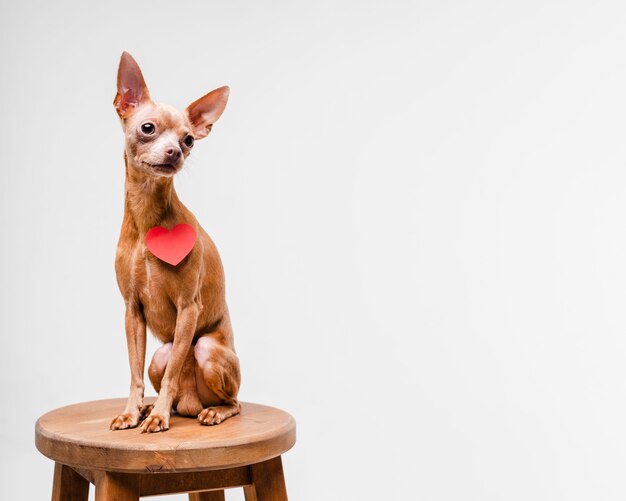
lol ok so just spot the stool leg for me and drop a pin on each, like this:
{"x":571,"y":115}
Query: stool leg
{"x":68,"y":485}
{"x":207,"y":496}
{"x":249,"y":493}
{"x":268,"y":482}
{"x":116,"y":487}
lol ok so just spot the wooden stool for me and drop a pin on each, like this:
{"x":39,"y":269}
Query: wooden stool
{"x":243,"y":451}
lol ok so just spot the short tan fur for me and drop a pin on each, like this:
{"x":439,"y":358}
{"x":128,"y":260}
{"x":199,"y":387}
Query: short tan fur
{"x":196,"y":371}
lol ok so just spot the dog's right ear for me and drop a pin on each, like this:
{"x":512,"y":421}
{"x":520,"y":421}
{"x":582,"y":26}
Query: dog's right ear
{"x":131,"y":87}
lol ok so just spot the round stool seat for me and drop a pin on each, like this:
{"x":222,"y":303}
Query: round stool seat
{"x":79,"y":436}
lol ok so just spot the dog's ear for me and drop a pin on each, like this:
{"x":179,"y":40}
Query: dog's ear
{"x":204,"y":112}
{"x":131,"y":87}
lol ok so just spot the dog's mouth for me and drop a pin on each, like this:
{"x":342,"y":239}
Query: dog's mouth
{"x":165,"y":168}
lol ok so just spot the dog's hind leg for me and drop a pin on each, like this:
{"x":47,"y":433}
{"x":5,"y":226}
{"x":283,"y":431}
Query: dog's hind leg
{"x":218,"y":378}
{"x":187,"y":402}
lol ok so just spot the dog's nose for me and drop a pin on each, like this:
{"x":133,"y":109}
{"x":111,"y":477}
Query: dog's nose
{"x":173,"y":154}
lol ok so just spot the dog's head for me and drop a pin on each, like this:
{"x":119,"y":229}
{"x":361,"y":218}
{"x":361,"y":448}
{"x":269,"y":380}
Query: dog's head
{"x":160,"y":137}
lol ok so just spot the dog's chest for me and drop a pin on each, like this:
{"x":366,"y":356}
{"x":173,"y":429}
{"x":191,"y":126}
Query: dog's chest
{"x":144,"y":280}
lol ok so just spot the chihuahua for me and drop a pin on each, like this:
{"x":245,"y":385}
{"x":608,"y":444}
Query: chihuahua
{"x":196,"y":371}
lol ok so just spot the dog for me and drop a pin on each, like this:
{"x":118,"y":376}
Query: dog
{"x":196,"y":371}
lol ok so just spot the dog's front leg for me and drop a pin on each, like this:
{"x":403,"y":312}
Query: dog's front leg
{"x":159,"y":418}
{"x":136,"y":341}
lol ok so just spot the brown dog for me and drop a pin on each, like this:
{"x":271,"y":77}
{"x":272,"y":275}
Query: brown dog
{"x":196,"y":370}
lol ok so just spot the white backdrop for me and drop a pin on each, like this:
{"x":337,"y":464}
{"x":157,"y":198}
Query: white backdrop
{"x":420,"y":208}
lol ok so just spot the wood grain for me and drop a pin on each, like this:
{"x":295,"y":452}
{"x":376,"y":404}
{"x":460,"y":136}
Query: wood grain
{"x":249,"y":493}
{"x":68,"y":485}
{"x":268,"y":481}
{"x":207,"y":496}
{"x":153,"y":484}
{"x":78,"y":436}
{"x":116,"y":487}
{"x":244,"y":451}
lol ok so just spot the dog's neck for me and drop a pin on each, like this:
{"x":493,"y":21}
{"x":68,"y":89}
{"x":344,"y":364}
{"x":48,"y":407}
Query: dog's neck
{"x":150,"y":200}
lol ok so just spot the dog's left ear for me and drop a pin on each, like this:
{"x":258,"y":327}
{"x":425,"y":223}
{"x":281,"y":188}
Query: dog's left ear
{"x":204,"y":112}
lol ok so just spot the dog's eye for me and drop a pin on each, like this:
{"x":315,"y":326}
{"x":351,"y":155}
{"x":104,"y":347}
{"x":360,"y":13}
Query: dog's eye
{"x":188,"y":141}
{"x":148,"y":128}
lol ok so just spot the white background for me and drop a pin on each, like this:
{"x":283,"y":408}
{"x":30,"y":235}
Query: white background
{"x":420,"y":208}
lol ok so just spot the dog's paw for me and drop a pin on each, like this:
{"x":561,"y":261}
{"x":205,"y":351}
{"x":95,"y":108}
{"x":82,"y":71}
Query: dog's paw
{"x":155,"y":423}
{"x":124,"y":421}
{"x":210,"y":416}
{"x":145,"y":411}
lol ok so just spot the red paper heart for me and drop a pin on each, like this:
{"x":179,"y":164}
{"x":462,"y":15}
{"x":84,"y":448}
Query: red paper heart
{"x":171,"y":246}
